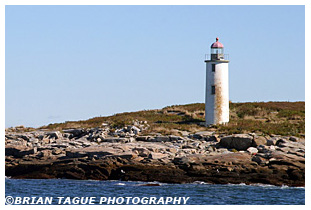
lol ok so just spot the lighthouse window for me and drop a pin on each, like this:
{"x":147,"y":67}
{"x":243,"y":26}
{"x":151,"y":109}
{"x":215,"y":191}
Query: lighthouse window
{"x":213,"y":67}
{"x":213,"y":89}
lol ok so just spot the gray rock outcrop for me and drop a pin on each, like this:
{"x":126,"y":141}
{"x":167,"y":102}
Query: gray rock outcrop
{"x":237,"y":141}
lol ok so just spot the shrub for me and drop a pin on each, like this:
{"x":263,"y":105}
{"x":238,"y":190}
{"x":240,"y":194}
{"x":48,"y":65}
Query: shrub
{"x":290,"y":113}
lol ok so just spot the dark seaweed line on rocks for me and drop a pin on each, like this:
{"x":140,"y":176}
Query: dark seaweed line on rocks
{"x":124,"y":154}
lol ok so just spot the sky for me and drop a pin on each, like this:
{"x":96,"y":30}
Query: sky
{"x":66,"y":63}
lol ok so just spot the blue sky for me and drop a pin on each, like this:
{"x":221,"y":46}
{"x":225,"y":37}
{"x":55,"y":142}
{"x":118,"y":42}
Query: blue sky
{"x":77,"y":62}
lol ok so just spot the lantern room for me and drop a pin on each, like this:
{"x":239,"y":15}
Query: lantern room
{"x":217,"y":50}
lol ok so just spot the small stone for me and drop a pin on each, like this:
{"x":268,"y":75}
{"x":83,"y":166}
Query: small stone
{"x":257,"y":159}
{"x":74,"y":132}
{"x":34,"y":141}
{"x":57,"y":151}
{"x":184,"y":133}
{"x":280,"y":142}
{"x":154,"y":156}
{"x":67,"y":135}
{"x":142,"y":138}
{"x":211,"y":149}
{"x":222,"y":150}
{"x":273,"y":140}
{"x":205,"y":133}
{"x":174,"y":138}
{"x":45,"y":141}
{"x":135,"y":130}
{"x":262,"y":148}
{"x":269,"y":142}
{"x":54,"y":134}
{"x":142,"y":152}
{"x":127,"y":155}
{"x":212,"y":138}
{"x":162,"y":138}
{"x":172,"y":150}
{"x":252,"y":150}
{"x":259,"y":140}
{"x":196,"y":136}
{"x":294,"y":138}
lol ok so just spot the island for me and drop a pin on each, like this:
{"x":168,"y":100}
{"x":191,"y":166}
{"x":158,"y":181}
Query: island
{"x":264,"y":142}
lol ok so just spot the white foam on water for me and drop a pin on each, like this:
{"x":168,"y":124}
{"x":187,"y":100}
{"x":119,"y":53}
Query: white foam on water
{"x":262,"y":185}
{"x":199,"y":182}
{"x":120,"y":184}
{"x":240,"y":184}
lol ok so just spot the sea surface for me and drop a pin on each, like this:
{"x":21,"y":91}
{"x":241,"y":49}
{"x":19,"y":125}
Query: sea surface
{"x":199,"y":193}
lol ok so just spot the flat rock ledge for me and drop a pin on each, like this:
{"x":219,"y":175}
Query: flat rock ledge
{"x":203,"y":156}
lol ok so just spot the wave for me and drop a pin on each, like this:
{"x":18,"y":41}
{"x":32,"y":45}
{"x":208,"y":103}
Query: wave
{"x":285,"y":186}
{"x":250,"y":185}
{"x":262,"y":185}
{"x":122,"y":184}
{"x":200,"y":182}
{"x":240,"y":184}
{"x":135,"y":183}
{"x":274,"y":186}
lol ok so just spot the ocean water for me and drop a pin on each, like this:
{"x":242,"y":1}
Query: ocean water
{"x":199,"y":193}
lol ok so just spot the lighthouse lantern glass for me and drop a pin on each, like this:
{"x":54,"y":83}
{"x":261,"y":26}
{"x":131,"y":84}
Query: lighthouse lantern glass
{"x":217,"y":53}
{"x":217,"y":50}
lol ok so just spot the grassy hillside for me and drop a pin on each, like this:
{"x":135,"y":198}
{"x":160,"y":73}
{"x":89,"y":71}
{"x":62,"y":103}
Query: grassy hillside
{"x":283,"y":118}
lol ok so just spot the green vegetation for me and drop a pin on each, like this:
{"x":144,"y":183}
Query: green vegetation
{"x":283,"y":118}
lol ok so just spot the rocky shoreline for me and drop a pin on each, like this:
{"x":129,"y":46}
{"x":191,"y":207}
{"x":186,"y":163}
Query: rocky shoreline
{"x":126,"y":154}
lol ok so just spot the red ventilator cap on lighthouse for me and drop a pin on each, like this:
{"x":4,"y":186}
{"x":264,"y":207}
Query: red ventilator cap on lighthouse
{"x":217,"y":44}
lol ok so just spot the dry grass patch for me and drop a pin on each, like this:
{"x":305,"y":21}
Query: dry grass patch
{"x":283,"y":118}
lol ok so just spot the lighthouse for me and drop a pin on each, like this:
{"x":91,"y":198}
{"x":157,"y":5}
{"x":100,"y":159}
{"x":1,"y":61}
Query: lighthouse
{"x":217,"y":86}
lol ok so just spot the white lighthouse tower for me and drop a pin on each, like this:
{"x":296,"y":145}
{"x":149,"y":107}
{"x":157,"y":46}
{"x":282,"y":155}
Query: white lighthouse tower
{"x":217,"y":86}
